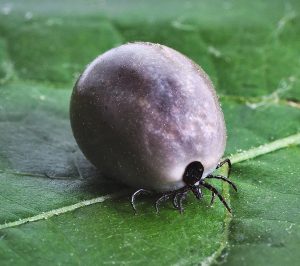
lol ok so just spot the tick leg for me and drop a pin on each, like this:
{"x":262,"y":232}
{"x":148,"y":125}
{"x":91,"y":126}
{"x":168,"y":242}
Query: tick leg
{"x":224,"y":179}
{"x":175,"y":200}
{"x":137,"y":193}
{"x":212,"y":198}
{"x":177,"y":193}
{"x":215,"y":191}
{"x":201,"y":193}
{"x":181,"y":199}
{"x":197,"y":191}
{"x":177,"y":197}
{"x":220,"y":164}
{"x":160,"y":200}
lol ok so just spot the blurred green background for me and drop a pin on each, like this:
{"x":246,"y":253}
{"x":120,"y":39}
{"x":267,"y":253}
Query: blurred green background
{"x":251,"y":51}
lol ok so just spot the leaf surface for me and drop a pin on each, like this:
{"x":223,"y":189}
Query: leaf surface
{"x":57,"y":209}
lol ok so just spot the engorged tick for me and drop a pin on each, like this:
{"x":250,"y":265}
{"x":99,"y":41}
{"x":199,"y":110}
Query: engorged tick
{"x":148,"y":116}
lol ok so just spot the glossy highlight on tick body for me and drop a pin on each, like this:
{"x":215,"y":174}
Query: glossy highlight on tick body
{"x":148,"y":116}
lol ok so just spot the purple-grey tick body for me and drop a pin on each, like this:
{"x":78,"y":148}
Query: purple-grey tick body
{"x":148,"y":116}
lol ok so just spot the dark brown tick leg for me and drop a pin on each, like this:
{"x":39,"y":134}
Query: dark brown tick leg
{"x":177,"y":194}
{"x":164,"y":197}
{"x":220,"y":164}
{"x":137,"y":193}
{"x":212,"y":198}
{"x":175,"y":200}
{"x":224,"y":179}
{"x":181,"y":199}
{"x":215,"y":191}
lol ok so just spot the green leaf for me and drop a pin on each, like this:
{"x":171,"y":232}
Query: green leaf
{"x":267,"y":211}
{"x":57,"y":209}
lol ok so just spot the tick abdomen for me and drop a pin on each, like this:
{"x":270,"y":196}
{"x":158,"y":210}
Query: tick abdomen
{"x":142,"y":112}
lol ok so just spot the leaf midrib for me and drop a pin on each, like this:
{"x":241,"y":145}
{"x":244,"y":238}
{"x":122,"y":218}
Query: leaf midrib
{"x":62,"y":210}
{"x":236,"y":158}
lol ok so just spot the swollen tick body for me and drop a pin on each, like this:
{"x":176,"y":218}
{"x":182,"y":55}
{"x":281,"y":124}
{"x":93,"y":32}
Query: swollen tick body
{"x":148,"y":116}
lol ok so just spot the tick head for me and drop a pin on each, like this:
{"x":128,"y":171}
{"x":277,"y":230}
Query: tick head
{"x":193,"y":173}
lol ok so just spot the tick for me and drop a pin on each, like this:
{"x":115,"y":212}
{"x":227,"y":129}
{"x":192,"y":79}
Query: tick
{"x":148,"y":116}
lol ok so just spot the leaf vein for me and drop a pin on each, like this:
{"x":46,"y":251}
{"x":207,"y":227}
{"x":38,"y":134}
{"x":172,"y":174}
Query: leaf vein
{"x":55,"y":212}
{"x":239,"y":157}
